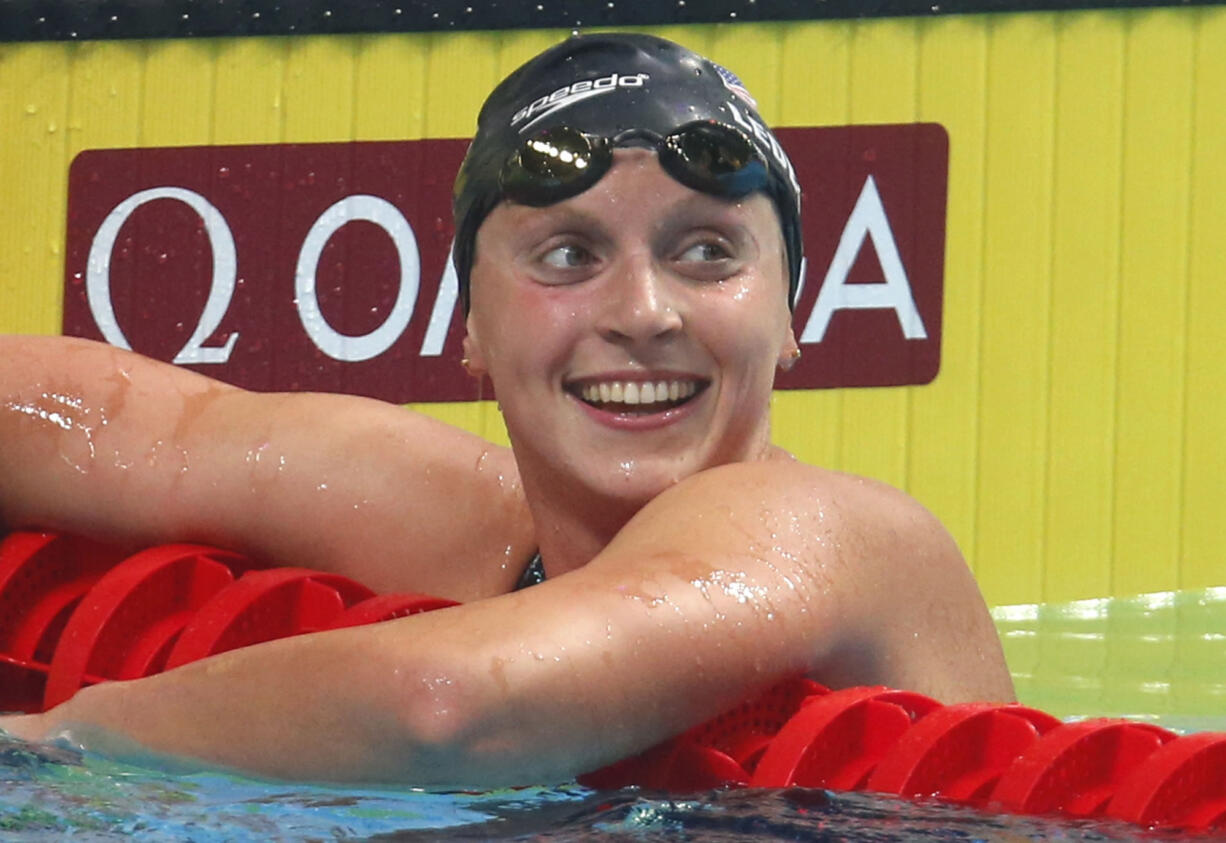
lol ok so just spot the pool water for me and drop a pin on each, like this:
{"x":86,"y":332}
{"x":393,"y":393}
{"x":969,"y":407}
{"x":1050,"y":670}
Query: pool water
{"x":1161,"y":654}
{"x":60,"y":793}
{"x":1081,"y":658}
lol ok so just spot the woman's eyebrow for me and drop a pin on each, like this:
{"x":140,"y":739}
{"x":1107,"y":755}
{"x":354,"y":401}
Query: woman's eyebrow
{"x":700,"y":211}
{"x":564,"y":214}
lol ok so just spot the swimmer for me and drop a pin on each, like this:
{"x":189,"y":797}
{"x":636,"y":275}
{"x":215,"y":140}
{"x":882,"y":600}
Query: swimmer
{"x":627,"y":262}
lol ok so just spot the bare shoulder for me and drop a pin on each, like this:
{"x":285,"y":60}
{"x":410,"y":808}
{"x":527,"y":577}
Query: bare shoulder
{"x":842,"y":504}
{"x":903,"y":607}
{"x":858,"y":529}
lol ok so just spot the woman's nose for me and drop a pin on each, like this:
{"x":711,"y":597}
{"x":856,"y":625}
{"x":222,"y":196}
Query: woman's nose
{"x":640,"y":304}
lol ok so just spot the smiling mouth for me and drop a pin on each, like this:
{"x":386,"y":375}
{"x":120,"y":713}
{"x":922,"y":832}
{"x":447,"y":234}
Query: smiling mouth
{"x":637,"y":397}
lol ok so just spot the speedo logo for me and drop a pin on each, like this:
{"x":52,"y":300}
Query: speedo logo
{"x":575,"y":92}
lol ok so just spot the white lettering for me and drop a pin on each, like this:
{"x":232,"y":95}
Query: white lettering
{"x":444,"y":307}
{"x":753,"y":127}
{"x":574,"y":93}
{"x":867,"y":221}
{"x":385,"y":215}
{"x":221,"y":286}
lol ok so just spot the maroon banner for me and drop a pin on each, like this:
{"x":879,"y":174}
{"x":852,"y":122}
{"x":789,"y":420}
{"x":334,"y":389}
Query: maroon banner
{"x":325,"y":266}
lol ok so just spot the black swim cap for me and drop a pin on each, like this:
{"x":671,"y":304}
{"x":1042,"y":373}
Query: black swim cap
{"x":606,"y":84}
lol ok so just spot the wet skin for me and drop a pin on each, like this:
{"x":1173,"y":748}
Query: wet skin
{"x":691,"y":563}
{"x":639,"y":280}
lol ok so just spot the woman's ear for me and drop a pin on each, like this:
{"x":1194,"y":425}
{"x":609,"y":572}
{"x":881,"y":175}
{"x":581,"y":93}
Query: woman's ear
{"x":790,"y":352}
{"x":474,"y":361}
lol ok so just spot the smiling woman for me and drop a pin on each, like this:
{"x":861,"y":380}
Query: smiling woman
{"x":687,"y":292}
{"x":628,"y":247}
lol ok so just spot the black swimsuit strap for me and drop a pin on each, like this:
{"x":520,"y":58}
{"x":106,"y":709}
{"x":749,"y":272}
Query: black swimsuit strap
{"x":533,"y":574}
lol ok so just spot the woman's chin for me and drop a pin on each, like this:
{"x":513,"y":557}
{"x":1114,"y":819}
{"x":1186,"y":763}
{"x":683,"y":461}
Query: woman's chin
{"x":637,"y":480}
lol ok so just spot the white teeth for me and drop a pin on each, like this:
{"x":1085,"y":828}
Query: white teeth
{"x":633,"y":392}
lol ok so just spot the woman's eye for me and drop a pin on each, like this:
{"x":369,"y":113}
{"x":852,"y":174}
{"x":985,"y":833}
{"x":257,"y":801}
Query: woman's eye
{"x":568,"y":256}
{"x":705,"y":252}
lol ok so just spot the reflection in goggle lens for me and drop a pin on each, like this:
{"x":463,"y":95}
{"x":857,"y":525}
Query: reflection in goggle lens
{"x":558,"y":163}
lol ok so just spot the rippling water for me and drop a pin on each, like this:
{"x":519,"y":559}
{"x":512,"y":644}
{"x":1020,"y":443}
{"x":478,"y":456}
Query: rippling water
{"x":46,"y":794}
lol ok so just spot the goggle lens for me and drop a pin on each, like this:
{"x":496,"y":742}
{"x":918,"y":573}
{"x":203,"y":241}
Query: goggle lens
{"x":553,"y":165}
{"x":562,"y":162}
{"x":713,"y":158}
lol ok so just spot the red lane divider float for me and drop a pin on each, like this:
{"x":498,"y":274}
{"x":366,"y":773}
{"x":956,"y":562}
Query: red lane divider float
{"x":75,"y":612}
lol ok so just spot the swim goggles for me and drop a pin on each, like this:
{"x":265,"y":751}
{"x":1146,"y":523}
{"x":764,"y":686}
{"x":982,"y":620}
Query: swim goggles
{"x":561,"y":162}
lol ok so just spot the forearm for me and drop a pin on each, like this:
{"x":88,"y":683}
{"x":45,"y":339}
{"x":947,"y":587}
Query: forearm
{"x":323,"y":707}
{"x":509,"y":691}
{"x":105,"y":443}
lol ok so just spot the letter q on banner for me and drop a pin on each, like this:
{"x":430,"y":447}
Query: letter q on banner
{"x":221,"y":288}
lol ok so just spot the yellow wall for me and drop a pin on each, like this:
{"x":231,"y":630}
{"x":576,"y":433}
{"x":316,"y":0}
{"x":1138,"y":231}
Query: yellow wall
{"x":1073,"y":440}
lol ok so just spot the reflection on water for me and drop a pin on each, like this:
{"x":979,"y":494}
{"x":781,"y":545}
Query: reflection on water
{"x":49,"y":793}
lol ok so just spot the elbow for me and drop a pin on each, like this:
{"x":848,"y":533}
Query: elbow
{"x":445,"y":729}
{"x":462,"y":732}
{"x":435,"y":713}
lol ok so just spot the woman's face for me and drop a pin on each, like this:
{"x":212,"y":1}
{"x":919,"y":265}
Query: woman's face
{"x":631,"y":332}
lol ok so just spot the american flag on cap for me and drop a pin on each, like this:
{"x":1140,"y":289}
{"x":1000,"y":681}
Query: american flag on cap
{"x":732,"y":83}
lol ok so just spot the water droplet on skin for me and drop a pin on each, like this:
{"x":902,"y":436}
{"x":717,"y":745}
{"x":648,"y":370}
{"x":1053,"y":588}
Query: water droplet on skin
{"x":67,"y":413}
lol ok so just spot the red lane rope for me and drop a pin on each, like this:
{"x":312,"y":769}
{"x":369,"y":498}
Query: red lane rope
{"x":74,"y":612}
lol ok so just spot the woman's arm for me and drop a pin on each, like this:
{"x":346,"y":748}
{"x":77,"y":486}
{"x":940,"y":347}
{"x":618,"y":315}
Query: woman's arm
{"x":103,"y":442}
{"x":731,"y":580}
